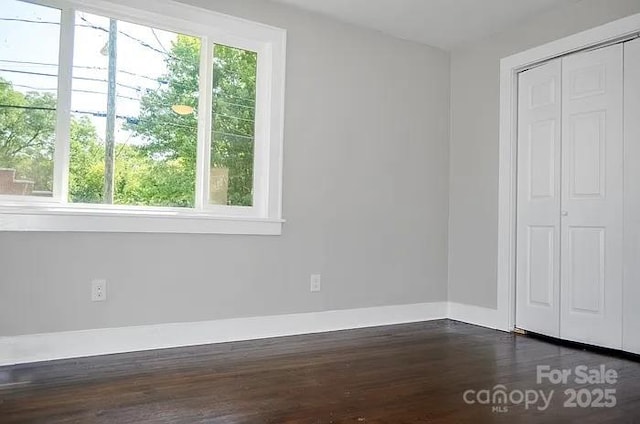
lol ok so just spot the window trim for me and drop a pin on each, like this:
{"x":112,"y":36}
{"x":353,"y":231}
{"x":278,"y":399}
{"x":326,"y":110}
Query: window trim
{"x":120,"y":219}
{"x":18,"y":213}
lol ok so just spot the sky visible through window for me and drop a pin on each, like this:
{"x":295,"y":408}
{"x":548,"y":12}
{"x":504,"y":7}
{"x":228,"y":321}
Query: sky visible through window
{"x":29,"y":39}
{"x":157,"y":81}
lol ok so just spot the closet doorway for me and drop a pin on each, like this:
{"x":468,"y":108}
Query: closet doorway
{"x":576,"y":185}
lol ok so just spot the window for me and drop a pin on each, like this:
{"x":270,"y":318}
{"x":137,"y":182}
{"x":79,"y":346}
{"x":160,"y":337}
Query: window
{"x":28,"y":92}
{"x":134,"y":117}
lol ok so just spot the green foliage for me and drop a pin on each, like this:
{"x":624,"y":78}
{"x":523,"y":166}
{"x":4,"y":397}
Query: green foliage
{"x":161,"y":171}
{"x":86,"y":167}
{"x":173,"y":138}
{"x":27,"y":135}
{"x":136,"y":175}
{"x":234,"y":79}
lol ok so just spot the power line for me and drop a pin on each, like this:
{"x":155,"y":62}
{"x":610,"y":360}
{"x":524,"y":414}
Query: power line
{"x":26,"y":62}
{"x":89,"y":25}
{"x":219,"y":115}
{"x":83,"y":112}
{"x":248,"y":99}
{"x":55,"y":89}
{"x":102,"y":68}
{"x":74,"y":90}
{"x":159,"y":81}
{"x":97,"y":68}
{"x":102,"y":93}
{"x":153,"y":31}
{"x":28,"y":107}
{"x":248,"y":137}
{"x":28,"y":86}
{"x":141,"y":42}
{"x":122,"y":96}
{"x":132,"y":120}
{"x":81,"y":91}
{"x":28,"y":72}
{"x":29,"y":21}
{"x":236,"y":104}
{"x":215,"y":94}
{"x":78,"y":78}
{"x":101,"y":113}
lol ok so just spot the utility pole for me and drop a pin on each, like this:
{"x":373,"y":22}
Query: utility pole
{"x":110,"y":142}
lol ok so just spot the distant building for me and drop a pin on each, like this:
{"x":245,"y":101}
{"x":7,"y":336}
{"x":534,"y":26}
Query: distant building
{"x":9,"y":184}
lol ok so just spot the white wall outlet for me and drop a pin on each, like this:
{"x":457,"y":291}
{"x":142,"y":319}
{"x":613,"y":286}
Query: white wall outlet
{"x":99,"y":290}
{"x":316,"y":283}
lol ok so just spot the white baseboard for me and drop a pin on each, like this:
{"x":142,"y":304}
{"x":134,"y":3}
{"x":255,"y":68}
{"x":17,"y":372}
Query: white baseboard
{"x":104,"y":341}
{"x":476,"y":315}
{"x":73,"y":344}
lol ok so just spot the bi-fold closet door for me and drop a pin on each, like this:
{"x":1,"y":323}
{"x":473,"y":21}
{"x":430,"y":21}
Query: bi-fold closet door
{"x":570,"y":247}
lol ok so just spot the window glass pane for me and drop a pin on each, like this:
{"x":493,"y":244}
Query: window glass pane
{"x":232,"y":146}
{"x":135,"y":97}
{"x":29,"y":42}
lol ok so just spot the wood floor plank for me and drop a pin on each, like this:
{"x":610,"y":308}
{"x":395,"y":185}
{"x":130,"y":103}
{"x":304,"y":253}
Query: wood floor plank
{"x":413,"y":373}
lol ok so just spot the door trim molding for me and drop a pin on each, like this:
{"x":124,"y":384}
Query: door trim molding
{"x":510,"y":66}
{"x":475,"y":315}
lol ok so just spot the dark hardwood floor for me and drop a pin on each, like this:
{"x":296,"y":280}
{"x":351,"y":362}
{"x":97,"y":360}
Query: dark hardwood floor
{"x":415,"y":373}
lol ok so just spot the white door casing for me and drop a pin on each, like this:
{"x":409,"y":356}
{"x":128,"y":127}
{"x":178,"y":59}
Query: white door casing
{"x":623,"y":29}
{"x":592,"y":197}
{"x":631,"y":281}
{"x":538,"y":199}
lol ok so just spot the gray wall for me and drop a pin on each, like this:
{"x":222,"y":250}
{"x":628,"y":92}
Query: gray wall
{"x":365,"y":198}
{"x":473,"y":171}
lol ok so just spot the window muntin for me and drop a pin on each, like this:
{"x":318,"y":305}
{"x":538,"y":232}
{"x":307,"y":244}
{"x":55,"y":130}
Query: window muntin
{"x":28,"y":90}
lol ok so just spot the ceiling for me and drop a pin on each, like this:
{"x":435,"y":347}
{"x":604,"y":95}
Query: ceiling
{"x":441,"y":23}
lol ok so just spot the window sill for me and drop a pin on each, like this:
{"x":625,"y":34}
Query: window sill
{"x":92,"y":218}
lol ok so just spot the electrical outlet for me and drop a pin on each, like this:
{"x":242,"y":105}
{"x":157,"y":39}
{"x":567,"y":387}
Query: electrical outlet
{"x":99,"y":290}
{"x":316,"y":284}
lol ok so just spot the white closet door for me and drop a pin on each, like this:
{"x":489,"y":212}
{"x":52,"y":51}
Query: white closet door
{"x":631,"y":288}
{"x":538,"y":221}
{"x":592,"y":197}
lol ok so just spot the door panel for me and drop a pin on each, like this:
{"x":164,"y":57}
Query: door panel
{"x":540,"y":280}
{"x":538,"y":220}
{"x":631,"y":287}
{"x":585,"y":269}
{"x":542,"y":149}
{"x":586,"y":147}
{"x":592,"y":197}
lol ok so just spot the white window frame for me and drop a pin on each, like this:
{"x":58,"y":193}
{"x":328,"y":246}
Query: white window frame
{"x":30,"y":213}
